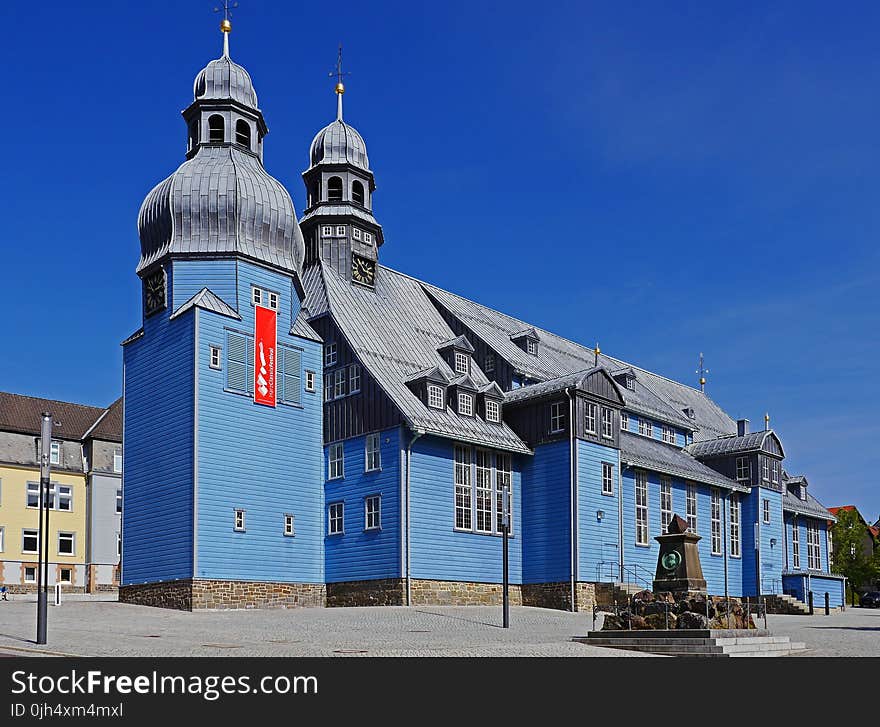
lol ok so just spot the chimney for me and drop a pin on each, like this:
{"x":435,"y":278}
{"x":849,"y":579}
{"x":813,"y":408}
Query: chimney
{"x":742,"y":427}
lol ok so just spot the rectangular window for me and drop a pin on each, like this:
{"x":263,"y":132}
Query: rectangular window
{"x":557,"y":417}
{"x":607,"y":478}
{"x":665,"y":504}
{"x":461,"y":363}
{"x":590,"y":418}
{"x":490,"y":363}
{"x":340,"y":230}
{"x":532,"y":347}
{"x":743,"y":469}
{"x":503,"y":478}
{"x":55,"y":452}
{"x":65,"y":575}
{"x":765,"y":468}
{"x":64,"y":498}
{"x":256,"y":296}
{"x":493,"y":411}
{"x":435,"y":396}
{"x":238,"y":522}
{"x":290,"y":375}
{"x":60,"y":496}
{"x":795,"y":546}
{"x":355,"y":233}
{"x":338,"y":383}
{"x":65,"y":544}
{"x":484,"y":491}
{"x":373,"y":512}
{"x":465,"y":404}
{"x":330,"y":354}
{"x":735,"y":541}
{"x":646,"y":428}
{"x":33,"y":494}
{"x":691,"y":507}
{"x":368,"y":237}
{"x":336,"y":518}
{"x":774,"y":466}
{"x":814,"y":552}
{"x":335,"y":458}
{"x":765,"y":508}
{"x":30,"y":574}
{"x":373,"y":454}
{"x":239,"y":363}
{"x":29,"y":541}
{"x":462,"y":487}
{"x":310,"y":381}
{"x":289,"y":525}
{"x":624,"y":421}
{"x":607,"y":423}
{"x":118,"y":545}
{"x":273,"y":300}
{"x":641,"y":508}
{"x":117,"y":460}
{"x":668,"y":435}
{"x":354,"y":379}
{"x":327,"y":231}
{"x":716,"y":521}
{"x":119,"y":500}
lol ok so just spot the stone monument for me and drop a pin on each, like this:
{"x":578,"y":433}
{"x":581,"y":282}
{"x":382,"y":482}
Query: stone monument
{"x":678,"y":565}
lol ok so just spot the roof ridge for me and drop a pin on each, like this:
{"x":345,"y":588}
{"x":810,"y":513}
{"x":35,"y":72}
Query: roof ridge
{"x":54,"y":401}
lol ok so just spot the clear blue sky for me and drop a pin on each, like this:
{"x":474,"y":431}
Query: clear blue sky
{"x":665,"y":180}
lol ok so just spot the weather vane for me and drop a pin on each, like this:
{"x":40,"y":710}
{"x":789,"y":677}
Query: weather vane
{"x":339,"y":73}
{"x":702,"y":371}
{"x":226,"y":7}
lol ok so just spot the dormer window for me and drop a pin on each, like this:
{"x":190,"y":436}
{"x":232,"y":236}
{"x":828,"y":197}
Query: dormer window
{"x":462,"y":363}
{"x":532,"y":347}
{"x":490,"y":363}
{"x":465,"y":404}
{"x":435,"y":397}
{"x":493,"y":411}
{"x":631,"y":383}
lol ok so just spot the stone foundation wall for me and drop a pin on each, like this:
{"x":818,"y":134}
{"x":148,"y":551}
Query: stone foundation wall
{"x":461,"y":593}
{"x":23,"y":588}
{"x":558,"y":595}
{"x":382,"y":592}
{"x":188,"y":594}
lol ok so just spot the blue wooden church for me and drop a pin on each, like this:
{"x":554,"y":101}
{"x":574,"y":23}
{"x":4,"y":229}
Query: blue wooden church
{"x":305,"y":426}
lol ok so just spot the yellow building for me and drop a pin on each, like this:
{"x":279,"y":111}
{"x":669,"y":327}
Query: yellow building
{"x":19,"y":492}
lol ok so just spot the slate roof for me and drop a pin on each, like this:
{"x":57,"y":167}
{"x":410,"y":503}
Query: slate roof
{"x":109,"y":427}
{"x":551,"y":386}
{"x":395,"y":331}
{"x":21,"y":414}
{"x":339,"y":143}
{"x":207,"y":300}
{"x":339,"y":210}
{"x":811,"y":506}
{"x":302,"y":329}
{"x":223,"y":78}
{"x":731,"y":444}
{"x":655,"y":395}
{"x":652,"y":454}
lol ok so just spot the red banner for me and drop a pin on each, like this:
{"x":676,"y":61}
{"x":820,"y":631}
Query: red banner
{"x":265,"y":338}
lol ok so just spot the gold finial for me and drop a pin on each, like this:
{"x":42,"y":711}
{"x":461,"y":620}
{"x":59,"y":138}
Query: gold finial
{"x":702,"y":371}
{"x":340,"y":86}
{"x":596,"y":352}
{"x":766,"y":421}
{"x":225,"y":26}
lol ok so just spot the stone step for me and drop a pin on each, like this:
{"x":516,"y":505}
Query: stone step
{"x":648,"y":641}
{"x":707,"y":650}
{"x":675,"y":644}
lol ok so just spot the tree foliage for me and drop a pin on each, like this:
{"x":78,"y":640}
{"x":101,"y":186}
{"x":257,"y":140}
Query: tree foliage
{"x":852,"y":555}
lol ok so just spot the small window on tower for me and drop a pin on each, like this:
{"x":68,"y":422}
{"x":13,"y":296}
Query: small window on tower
{"x":327,"y":231}
{"x":340,"y":230}
{"x":357,"y":192}
{"x":355,"y":233}
{"x":215,"y":129}
{"x":243,"y":133}
{"x":334,"y":189}
{"x":368,"y":237}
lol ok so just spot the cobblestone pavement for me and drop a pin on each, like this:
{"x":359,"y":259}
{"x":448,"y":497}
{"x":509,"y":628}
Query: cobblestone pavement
{"x":100,"y":627}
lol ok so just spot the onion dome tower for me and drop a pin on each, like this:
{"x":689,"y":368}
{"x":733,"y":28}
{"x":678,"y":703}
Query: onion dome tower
{"x":221,"y":202}
{"x":338,"y":224}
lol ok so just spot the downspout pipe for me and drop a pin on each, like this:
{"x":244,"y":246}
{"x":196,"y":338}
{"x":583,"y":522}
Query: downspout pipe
{"x":417,"y":433}
{"x":727,"y":543}
{"x":572,"y":471}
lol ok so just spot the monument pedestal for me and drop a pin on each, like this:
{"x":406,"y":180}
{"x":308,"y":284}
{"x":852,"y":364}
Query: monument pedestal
{"x":678,"y":564}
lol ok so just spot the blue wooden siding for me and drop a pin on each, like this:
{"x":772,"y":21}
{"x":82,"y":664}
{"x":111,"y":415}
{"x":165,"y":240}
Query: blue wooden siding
{"x":157,"y":522}
{"x":546,"y":514}
{"x":266,"y":461}
{"x":800,"y":584}
{"x":597,"y":540}
{"x":438,"y":551}
{"x":190,"y":276}
{"x":361,"y":554}
{"x":656,"y":428}
{"x":772,"y":555}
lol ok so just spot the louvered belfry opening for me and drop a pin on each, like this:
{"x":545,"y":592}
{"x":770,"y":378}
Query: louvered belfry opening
{"x":215,"y":129}
{"x":334,"y":189}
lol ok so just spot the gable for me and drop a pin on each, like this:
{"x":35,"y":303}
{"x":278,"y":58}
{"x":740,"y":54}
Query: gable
{"x":599,"y":383}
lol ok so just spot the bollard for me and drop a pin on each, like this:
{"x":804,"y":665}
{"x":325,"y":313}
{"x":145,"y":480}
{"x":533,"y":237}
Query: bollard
{"x":810,"y":601}
{"x":827,"y":604}
{"x":57,"y":594}
{"x":594,"y":617}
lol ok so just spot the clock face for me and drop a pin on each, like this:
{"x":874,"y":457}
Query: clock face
{"x":154,"y":292}
{"x":362,"y":270}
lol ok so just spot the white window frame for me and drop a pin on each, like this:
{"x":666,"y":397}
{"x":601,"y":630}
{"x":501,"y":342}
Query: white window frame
{"x":326,"y":230}
{"x":463,"y":488}
{"x":289,"y":525}
{"x":591,"y":412}
{"x":339,"y":383}
{"x":715,"y":518}
{"x":117,"y":460}
{"x":462,"y":363}
{"x":795,"y":546}
{"x":68,"y":537}
{"x":368,"y":237}
{"x":691,"y":507}
{"x":373,"y":512}
{"x":340,"y":230}
{"x":646,"y":427}
{"x":465,"y":403}
{"x":765,"y":511}
{"x":765,"y":468}
{"x":531,"y":346}
{"x":607,"y":423}
{"x":557,"y":417}
{"x":63,"y":494}
{"x":608,"y":479}
{"x":665,"y":503}
{"x":274,"y":300}
{"x":372,"y":453}
{"x":631,"y":383}
{"x":336,"y":518}
{"x":354,"y":379}
{"x":735,"y":531}
{"x":668,"y":434}
{"x":503,"y":476}
{"x":624,"y":421}
{"x":56,"y":451}
{"x":62,"y":579}
{"x":239,"y":520}
{"x":336,"y":461}
{"x":493,"y":411}
{"x":330,"y":354}
{"x":25,"y":575}
{"x":743,"y":469}
{"x":256,"y":295}
{"x":436,"y":397}
{"x":355,"y":233}
{"x":310,"y":381}
{"x":641,"y":499}
{"x":814,"y":548}
{"x":774,"y":467}
{"x":490,"y":362}
{"x":483,"y":496}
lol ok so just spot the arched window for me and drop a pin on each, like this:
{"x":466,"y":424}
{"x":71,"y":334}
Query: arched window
{"x":334,"y":189}
{"x":357,"y":192}
{"x":243,"y":133}
{"x":215,"y":128}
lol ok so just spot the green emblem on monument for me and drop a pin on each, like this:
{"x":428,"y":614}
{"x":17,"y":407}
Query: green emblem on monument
{"x":671,"y":560}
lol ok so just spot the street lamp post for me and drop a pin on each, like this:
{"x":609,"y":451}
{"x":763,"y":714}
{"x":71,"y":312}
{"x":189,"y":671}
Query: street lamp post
{"x":43,"y":530}
{"x":505,"y":530}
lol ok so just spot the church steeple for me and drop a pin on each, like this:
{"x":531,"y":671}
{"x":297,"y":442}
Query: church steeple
{"x":338,"y":224}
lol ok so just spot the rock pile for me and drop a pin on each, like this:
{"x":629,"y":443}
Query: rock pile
{"x":649,"y":610}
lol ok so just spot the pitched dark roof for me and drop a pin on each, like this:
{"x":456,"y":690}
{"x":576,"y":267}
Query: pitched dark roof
{"x":457,"y":342}
{"x":561,"y":383}
{"x":811,"y":506}
{"x":302,"y":329}
{"x":732,"y":444}
{"x":210,"y":301}
{"x":652,"y":454}
{"x":109,"y":426}
{"x":21,"y":414}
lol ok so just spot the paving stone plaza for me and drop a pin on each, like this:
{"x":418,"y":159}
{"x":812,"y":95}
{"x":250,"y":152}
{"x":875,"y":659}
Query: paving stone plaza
{"x":95,"y":627}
